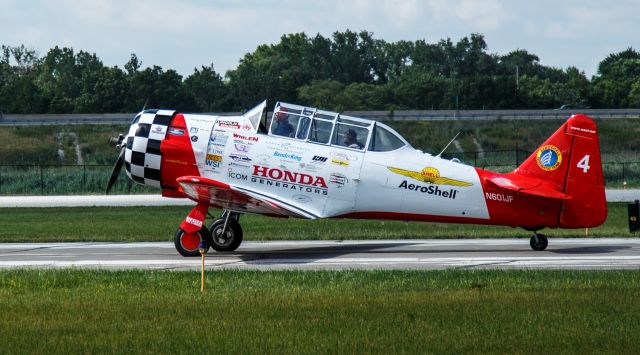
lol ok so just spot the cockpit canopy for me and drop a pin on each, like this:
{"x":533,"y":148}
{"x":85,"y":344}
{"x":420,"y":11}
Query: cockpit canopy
{"x":332,"y":128}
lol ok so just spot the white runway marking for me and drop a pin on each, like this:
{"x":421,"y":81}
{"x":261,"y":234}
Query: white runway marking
{"x":607,"y":253}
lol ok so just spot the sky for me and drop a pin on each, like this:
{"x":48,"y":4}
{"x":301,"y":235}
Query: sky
{"x":187,"y":34}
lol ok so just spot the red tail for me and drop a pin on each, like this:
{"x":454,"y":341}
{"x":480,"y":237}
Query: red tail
{"x":570,"y":162}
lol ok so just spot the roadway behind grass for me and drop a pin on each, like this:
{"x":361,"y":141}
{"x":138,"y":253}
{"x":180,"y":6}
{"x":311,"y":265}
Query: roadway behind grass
{"x":128,"y":224}
{"x":546,"y":312}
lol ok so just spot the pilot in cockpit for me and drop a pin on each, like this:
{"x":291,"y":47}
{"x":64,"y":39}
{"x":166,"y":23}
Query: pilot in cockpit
{"x":281,"y":126}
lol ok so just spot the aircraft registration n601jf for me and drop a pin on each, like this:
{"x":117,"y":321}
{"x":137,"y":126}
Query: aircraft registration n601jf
{"x":313,"y":164}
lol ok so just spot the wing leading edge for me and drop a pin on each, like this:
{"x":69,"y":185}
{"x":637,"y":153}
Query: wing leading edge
{"x":239,"y":199}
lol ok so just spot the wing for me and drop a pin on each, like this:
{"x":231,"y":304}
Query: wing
{"x":452,"y":182}
{"x":408,"y":173}
{"x":239,"y":199}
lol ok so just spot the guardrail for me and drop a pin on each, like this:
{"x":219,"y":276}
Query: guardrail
{"x":404,"y":115}
{"x":92,"y":179}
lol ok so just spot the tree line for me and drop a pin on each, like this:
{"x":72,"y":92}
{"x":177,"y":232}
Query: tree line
{"x":347,"y":71}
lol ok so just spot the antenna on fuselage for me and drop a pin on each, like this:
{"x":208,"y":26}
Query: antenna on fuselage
{"x":448,"y":144}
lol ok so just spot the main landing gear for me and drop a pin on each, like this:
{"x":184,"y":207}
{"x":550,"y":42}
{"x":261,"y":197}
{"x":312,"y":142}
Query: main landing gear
{"x":226,"y":233}
{"x":538,"y":242}
{"x":223,"y":234}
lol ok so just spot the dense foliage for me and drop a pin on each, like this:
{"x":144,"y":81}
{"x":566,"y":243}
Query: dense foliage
{"x":349,"y":70}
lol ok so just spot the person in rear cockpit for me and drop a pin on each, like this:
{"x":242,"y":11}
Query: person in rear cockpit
{"x":351,"y":139}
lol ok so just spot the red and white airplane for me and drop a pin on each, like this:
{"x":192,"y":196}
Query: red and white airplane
{"x":313,"y":164}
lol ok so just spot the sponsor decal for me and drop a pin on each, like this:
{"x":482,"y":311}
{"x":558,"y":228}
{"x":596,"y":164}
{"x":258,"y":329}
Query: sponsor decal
{"x":240,"y":158}
{"x":218,"y":139}
{"x":246,"y":138}
{"x":338,"y":179}
{"x":158,"y":129}
{"x":229,"y":124}
{"x":584,"y":130}
{"x":339,"y":162}
{"x":289,"y":156}
{"x":430,"y":175}
{"x":193,"y":130}
{"x":213,"y":150}
{"x":212,"y":163}
{"x":344,"y":156}
{"x":247,"y":126}
{"x":237,"y":176}
{"x":240,"y":147}
{"x":342,"y":159}
{"x":194,"y":221}
{"x":175,"y":131}
{"x":287,"y":146}
{"x":239,"y":165}
{"x":310,"y":167}
{"x":213,"y":160}
{"x":194,"y":138}
{"x":319,"y":159}
{"x":549,"y":158}
{"x":263,"y":159}
{"x":302,"y":198}
{"x":286,"y":179}
{"x":214,"y":157}
{"x":498,"y":197}
{"x":176,"y":161}
{"x":429,"y":190}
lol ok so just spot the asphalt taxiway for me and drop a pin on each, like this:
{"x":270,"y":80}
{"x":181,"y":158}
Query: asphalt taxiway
{"x":605,"y":253}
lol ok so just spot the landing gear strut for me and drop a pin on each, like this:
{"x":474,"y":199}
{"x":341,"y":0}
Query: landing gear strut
{"x":226,"y":233}
{"x":538,"y":242}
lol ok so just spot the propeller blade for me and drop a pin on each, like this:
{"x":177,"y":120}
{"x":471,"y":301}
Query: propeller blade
{"x":116,"y":169}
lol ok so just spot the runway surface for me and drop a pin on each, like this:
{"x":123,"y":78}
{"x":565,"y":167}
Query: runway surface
{"x":157,"y":200}
{"x":607,"y":253}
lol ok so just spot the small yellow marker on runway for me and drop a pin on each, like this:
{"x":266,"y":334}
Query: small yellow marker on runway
{"x":202,"y":251}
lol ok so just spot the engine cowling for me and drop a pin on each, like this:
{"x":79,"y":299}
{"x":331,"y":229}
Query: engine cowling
{"x":158,"y":149}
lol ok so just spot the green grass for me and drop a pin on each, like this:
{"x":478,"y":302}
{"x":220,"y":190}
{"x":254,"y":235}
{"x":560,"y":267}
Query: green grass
{"x":65,"y":180}
{"x":545,"y":312}
{"x":120,"y":224}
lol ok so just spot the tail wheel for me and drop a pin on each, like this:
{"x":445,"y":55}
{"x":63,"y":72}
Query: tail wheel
{"x":187,"y":244}
{"x":539,"y":242}
{"x":229,"y":240}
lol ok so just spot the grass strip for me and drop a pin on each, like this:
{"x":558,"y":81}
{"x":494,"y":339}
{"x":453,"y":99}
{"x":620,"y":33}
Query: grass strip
{"x":451,"y":311}
{"x":127,"y":224}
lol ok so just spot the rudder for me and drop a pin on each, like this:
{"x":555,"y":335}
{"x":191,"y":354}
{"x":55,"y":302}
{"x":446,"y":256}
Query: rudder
{"x":570,"y":161}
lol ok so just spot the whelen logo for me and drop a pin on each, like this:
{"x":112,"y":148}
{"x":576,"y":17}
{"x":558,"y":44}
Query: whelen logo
{"x":240,"y":136}
{"x":289,"y":180}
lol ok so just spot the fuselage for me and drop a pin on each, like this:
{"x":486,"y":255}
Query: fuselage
{"x":312,"y":165}
{"x":337,"y":181}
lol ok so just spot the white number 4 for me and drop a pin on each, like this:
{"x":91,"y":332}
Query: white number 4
{"x":584,"y":164}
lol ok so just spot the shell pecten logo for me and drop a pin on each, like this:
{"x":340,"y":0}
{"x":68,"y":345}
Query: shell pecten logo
{"x":429,"y":175}
{"x":549,"y":157}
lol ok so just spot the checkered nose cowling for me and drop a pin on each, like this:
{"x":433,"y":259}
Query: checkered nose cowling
{"x":142,"y":156}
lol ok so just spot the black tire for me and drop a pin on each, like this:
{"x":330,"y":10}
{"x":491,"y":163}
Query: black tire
{"x":539,"y":245}
{"x":233,"y":237}
{"x":188,"y":247}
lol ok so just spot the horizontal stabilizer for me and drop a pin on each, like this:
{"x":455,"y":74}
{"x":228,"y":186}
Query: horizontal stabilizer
{"x":528,"y":186}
